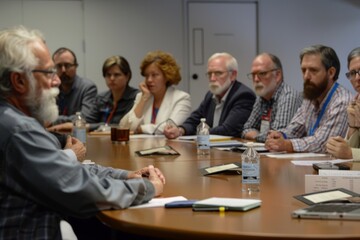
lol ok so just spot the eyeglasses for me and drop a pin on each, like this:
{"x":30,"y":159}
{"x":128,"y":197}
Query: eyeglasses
{"x":352,"y":74}
{"x":260,"y":75}
{"x":216,"y":73}
{"x":67,"y":66}
{"x":49,"y":73}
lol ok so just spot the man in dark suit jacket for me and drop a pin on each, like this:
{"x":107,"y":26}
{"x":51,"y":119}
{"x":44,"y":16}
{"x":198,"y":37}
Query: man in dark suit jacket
{"x":226,"y":106}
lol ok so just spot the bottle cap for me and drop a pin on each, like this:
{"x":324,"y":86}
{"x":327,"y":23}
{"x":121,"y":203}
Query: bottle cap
{"x":250,"y":144}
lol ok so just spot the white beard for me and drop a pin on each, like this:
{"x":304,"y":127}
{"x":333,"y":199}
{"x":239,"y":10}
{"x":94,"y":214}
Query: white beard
{"x":42,"y":107}
{"x":217,"y":89}
{"x":263,"y":91}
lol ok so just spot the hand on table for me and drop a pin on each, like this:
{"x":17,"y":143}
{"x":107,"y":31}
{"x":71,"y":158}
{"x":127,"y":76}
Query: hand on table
{"x":154,"y":175}
{"x":171,"y":131}
{"x":275,"y":142}
{"x":338,"y":147}
{"x":77,"y":146}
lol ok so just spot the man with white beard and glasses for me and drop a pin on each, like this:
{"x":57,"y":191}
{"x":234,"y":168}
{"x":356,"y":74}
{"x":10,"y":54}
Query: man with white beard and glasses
{"x":226,"y":106}
{"x":276,"y":103}
{"x":323,"y":111}
{"x":42,"y":184}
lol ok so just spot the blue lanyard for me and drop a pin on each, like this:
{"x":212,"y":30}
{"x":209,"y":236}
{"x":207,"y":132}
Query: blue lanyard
{"x":316,"y":125}
{"x":106,"y":113}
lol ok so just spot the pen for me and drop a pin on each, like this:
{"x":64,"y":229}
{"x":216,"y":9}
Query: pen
{"x":210,"y":209}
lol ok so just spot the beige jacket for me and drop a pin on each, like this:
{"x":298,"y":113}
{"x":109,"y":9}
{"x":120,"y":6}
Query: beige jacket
{"x":354,"y":143}
{"x":176,"y":106}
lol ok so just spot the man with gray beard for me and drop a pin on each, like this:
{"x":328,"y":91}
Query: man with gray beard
{"x":226,"y":106}
{"x":323,"y":110}
{"x":42,"y":184}
{"x":276,"y":103}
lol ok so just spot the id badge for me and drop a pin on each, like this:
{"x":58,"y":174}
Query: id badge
{"x":265,"y":121}
{"x":265,"y":126}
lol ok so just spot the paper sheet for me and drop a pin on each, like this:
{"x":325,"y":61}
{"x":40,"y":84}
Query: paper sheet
{"x":348,"y":173}
{"x":231,"y":143}
{"x":159,"y":202}
{"x":137,"y":136}
{"x":311,"y":162}
{"x":297,"y":155}
{"x":326,"y":196}
{"x":213,"y":137}
{"x":314,"y":183}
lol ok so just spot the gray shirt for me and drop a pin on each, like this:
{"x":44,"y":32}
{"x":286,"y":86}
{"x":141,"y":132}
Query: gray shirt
{"x":80,"y":99}
{"x":38,"y":178}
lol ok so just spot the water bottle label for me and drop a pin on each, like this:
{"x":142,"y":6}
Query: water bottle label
{"x":250,"y":173}
{"x":203,"y":142}
{"x":80,"y":133}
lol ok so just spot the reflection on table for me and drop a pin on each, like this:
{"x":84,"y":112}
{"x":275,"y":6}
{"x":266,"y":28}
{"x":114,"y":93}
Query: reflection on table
{"x":280,"y":181}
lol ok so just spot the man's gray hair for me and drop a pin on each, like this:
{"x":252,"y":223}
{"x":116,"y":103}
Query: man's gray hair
{"x":353,"y":54}
{"x":16,"y":54}
{"x":231,"y":63}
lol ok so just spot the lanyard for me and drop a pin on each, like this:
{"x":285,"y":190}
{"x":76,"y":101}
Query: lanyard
{"x":105,"y":113}
{"x":316,"y":125}
{"x":112,"y":113}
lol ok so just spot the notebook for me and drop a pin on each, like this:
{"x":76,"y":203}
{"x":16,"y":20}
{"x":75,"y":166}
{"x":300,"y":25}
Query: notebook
{"x":226,"y":204}
{"x":340,"y":211}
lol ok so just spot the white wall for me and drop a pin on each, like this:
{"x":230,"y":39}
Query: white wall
{"x":134,"y":27}
{"x":131,"y":28}
{"x":287,"y":26}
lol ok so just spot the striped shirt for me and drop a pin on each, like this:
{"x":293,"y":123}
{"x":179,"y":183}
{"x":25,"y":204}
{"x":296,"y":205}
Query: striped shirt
{"x":333,"y":122}
{"x":283,"y":105}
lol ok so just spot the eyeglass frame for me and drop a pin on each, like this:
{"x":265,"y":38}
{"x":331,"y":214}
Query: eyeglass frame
{"x":67,"y":66}
{"x":348,"y":74}
{"x":46,"y":72}
{"x":216,"y":73}
{"x":251,"y":76}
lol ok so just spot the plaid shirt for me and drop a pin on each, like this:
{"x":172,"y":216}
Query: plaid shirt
{"x":22,"y":218}
{"x":332,"y":123}
{"x":284,"y":104}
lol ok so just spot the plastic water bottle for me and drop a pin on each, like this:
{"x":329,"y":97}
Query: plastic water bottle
{"x":203,"y":138}
{"x":250,"y":164}
{"x":79,"y":127}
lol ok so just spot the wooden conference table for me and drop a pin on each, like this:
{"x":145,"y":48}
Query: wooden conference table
{"x":280,"y":181}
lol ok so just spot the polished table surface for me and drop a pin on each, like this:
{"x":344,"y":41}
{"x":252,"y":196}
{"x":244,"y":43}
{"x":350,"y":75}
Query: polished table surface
{"x":280,"y":181}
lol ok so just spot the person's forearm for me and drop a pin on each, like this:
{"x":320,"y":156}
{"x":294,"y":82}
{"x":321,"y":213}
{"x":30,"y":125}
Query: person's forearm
{"x":288,"y":146}
{"x":139,"y":109}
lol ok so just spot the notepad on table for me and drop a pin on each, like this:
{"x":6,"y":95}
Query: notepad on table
{"x":226,"y":204}
{"x":164,"y":150}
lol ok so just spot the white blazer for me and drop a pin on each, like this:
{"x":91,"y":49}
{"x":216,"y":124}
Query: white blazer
{"x":176,"y":106}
